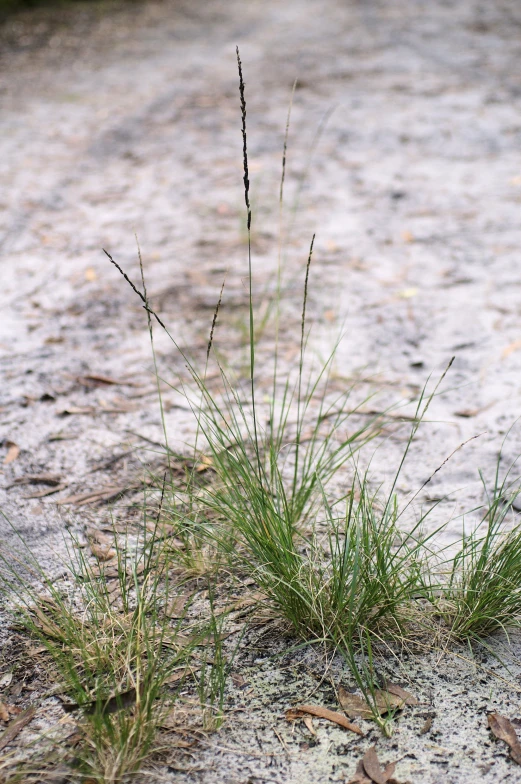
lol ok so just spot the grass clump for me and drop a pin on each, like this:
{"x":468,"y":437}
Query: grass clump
{"x":110,"y":645}
{"x":360,"y":581}
{"x":482,"y":592}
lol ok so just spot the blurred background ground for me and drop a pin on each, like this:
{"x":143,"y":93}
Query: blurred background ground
{"x":122,"y":117}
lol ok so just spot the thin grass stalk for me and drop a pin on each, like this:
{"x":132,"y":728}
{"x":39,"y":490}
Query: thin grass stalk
{"x":149,"y":313}
{"x":301,"y":364}
{"x":279,"y":260}
{"x":246,"y":180}
{"x":418,"y":418}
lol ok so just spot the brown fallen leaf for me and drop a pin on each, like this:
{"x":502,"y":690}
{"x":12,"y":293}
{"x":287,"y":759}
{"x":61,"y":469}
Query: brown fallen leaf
{"x":178,"y":675}
{"x":34,"y":650}
{"x":250,"y":600}
{"x":16,"y":726}
{"x":94,"y":379}
{"x":322,"y":713}
{"x":467,"y":413}
{"x":4,"y":713}
{"x":308,"y":721}
{"x":354,"y":705}
{"x":369,"y":770}
{"x":360,"y":776}
{"x":100,"y":544}
{"x":503,"y":729}
{"x":38,"y":479}
{"x":113,"y":588}
{"x":406,"y":696}
{"x":238,"y":680}
{"x":116,"y":406}
{"x":373,"y":768}
{"x":79,"y":498}
{"x":105,"y":494}
{"x":177,"y":607}
{"x":205,"y":464}
{"x":48,"y":491}
{"x":15,"y":691}
{"x":102,"y":553}
{"x":13,"y":450}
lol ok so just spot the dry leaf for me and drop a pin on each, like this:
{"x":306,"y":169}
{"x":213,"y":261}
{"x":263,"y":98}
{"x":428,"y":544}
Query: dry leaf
{"x":4,"y":713}
{"x":116,"y":407}
{"x":38,"y":479}
{"x":308,"y":721}
{"x":100,"y":544}
{"x":356,"y":706}
{"x":34,"y":650}
{"x":92,"y":379}
{"x":102,"y":553}
{"x":250,"y":600}
{"x":292,"y":714}
{"x":369,"y":770}
{"x":16,"y":726}
{"x":322,"y":713}
{"x":105,"y":494}
{"x":13,"y":450}
{"x":353,"y":704}
{"x":79,"y":498}
{"x":373,"y":768}
{"x":360,"y":775}
{"x":178,"y":675}
{"x":16,"y":690}
{"x":48,"y":491}
{"x":407,"y":697}
{"x":177,"y":607}
{"x":503,"y":729}
{"x":237,"y":680}
{"x":205,"y":464}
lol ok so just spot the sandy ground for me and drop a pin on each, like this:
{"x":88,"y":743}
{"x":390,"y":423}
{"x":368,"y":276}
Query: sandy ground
{"x":123,"y":118}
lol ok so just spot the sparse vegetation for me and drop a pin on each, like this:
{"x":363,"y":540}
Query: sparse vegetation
{"x":357,"y":580}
